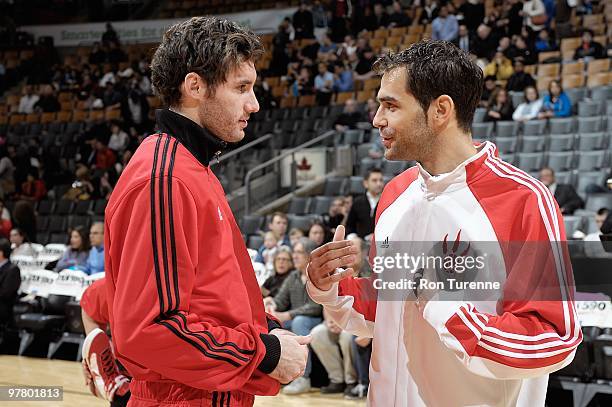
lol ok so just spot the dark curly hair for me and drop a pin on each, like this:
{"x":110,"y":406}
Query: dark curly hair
{"x":438,"y":68}
{"x":208,"y":46}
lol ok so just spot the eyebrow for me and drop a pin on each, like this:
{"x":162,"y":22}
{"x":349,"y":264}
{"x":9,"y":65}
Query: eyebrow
{"x":389,"y":99}
{"x":244,"y":82}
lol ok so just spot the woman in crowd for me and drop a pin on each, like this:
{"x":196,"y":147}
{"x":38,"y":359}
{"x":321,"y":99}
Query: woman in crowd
{"x":556,"y":103}
{"x":77,"y":252}
{"x":20,"y":244}
{"x":283,"y":264}
{"x":530,"y":108}
{"x":500,"y":106}
{"x":318,"y":233}
{"x":294,"y":308}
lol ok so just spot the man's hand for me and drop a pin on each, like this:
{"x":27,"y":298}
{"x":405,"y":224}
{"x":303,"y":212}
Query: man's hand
{"x":281,"y":316}
{"x":294,"y":355}
{"x":363,"y":341}
{"x":324,"y":267}
{"x":269,"y":305}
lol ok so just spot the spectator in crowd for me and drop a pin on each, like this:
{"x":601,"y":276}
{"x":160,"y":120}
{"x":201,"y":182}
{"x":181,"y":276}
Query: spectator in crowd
{"x":95,"y":259}
{"x":334,"y":347}
{"x":361,"y":348}
{"x":5,"y":221}
{"x":303,"y":85}
{"x":33,"y":189}
{"x":327,"y":49}
{"x":336,"y":214}
{"x":282,"y":266}
{"x":303,"y":22}
{"x":363,"y":68}
{"x":318,"y":233}
{"x":294,"y":235}
{"x":7,"y":170}
{"x":371,"y":109}
{"x":10,"y":281}
{"x":484,"y":43}
{"x":28,"y":100}
{"x":278,"y":225}
{"x":97,"y":55}
{"x":520,"y":49}
{"x":343,"y":78}
{"x":430,"y":10}
{"x":349,"y":117}
{"x":105,"y":158}
{"x":398,"y":18}
{"x":119,"y":139}
{"x":105,"y":186}
{"x":24,"y":218}
{"x":463,"y":40}
{"x":530,"y":108}
{"x":294,"y":308}
{"x":520,"y":79}
{"x":360,"y":219}
{"x":564,"y":194}
{"x":270,"y":245}
{"x":544,"y":42}
{"x":82,"y":189}
{"x":445,"y":27}
{"x":556,"y":103}
{"x":77,"y":253}
{"x":135,"y":107}
{"x":110,"y":36}
{"x":500,"y":67}
{"x":499,"y":107}
{"x":534,"y":14}
{"x":319,"y":17}
{"x":323,"y":85}
{"x":48,"y":102}
{"x":589,"y":49}
{"x":112,"y":97}
{"x":116,"y":55}
{"x":592,"y":245}
{"x":380,"y":17}
{"x":20,"y":245}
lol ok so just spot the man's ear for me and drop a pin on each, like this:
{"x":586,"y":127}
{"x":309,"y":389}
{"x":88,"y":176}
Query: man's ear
{"x":193,"y":86}
{"x":441,"y":112}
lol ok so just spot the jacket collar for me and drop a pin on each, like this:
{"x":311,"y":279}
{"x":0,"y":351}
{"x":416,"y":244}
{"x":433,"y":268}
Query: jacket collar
{"x":200,"y":142}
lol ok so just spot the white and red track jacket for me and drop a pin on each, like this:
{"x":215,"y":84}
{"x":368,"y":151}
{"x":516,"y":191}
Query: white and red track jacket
{"x":460,"y":353}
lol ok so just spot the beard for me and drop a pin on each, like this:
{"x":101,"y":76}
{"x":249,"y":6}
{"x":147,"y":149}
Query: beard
{"x":414,"y":142}
{"x":217,"y":118}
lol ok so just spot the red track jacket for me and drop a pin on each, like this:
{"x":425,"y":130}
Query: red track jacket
{"x":185,"y":307}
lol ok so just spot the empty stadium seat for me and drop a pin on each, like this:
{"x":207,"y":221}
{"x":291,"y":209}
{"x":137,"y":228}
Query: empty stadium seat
{"x":368,"y":163}
{"x":601,"y":93}
{"x":352,"y":137}
{"x":602,"y":355}
{"x":251,"y":224}
{"x":255,"y":242}
{"x":561,"y":142}
{"x":586,"y":178}
{"x":564,"y":177}
{"x":356,"y":186}
{"x":530,"y":161}
{"x":594,"y":202}
{"x":534,"y":127}
{"x":560,"y":161}
{"x":591,"y":141}
{"x":506,"y":128}
{"x":588,"y":109}
{"x":99,"y":207}
{"x":393,"y":167}
{"x":334,"y":186}
{"x":45,"y":207}
{"x":572,"y":224}
{"x":301,"y":222}
{"x":591,"y":160}
{"x":479,"y":115}
{"x":506,"y":144}
{"x":482,"y":131}
{"x":298,"y":205}
{"x":64,"y":207}
{"x":563,"y":125}
{"x":532,"y":144}
{"x":363,"y":150}
{"x":320,"y":204}
{"x":589,"y":124}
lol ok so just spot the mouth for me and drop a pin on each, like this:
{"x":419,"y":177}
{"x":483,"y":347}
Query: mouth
{"x":243,"y":123}
{"x":387,"y":141}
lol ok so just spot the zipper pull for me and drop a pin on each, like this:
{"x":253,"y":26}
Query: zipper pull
{"x":217,"y":154}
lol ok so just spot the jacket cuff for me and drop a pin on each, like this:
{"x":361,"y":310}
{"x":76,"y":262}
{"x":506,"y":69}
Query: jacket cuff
{"x":273,"y":323}
{"x":273,"y":352}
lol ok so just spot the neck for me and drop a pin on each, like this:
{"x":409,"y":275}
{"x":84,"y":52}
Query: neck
{"x":453,"y":148}
{"x":188,"y":111}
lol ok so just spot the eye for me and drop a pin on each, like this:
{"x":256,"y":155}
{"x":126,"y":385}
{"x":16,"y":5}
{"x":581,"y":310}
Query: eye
{"x":243,"y":88}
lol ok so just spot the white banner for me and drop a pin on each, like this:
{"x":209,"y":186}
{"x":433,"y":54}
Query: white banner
{"x":149,"y":31}
{"x":310,"y":164}
{"x":595,"y":313}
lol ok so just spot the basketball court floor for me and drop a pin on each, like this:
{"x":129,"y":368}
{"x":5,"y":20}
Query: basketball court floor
{"x":27,"y":371}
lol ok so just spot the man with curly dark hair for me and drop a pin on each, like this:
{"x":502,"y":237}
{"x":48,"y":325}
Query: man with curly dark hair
{"x":185,"y":308}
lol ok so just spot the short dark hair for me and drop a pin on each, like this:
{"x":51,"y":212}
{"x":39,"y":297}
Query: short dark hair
{"x":281,"y":215}
{"x":5,"y":247}
{"x":603,"y":211}
{"x":208,"y":46}
{"x":371,"y":171}
{"x":438,"y":68}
